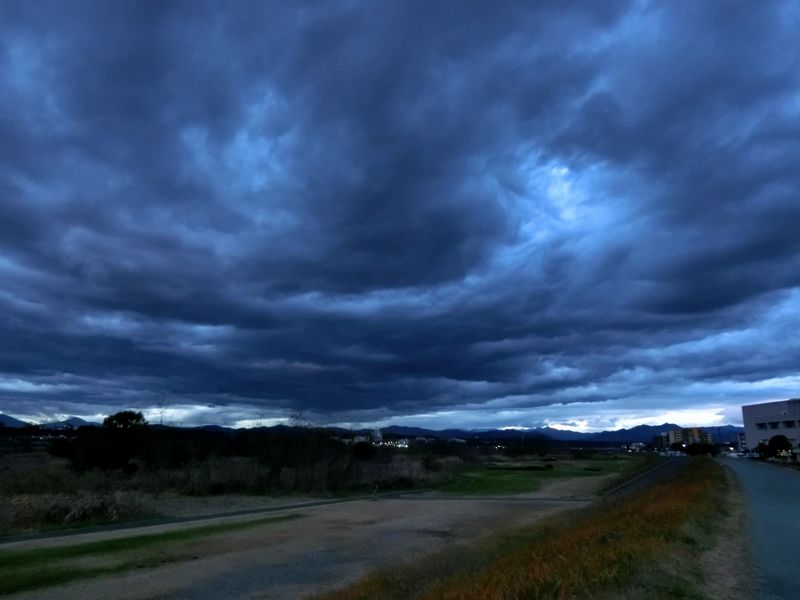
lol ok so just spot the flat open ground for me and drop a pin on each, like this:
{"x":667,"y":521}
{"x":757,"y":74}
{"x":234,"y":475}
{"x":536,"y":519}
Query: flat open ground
{"x":325,"y":547}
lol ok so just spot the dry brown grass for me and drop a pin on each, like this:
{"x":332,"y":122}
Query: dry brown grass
{"x":728,"y":566}
{"x":581,"y":557}
{"x":40,"y":511}
{"x":38,"y":491}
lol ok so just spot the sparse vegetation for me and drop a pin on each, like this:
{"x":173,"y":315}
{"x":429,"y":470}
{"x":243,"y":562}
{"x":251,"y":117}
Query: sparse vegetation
{"x":660,"y":532}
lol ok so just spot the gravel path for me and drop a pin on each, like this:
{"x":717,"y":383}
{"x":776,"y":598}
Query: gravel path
{"x":773,"y":498}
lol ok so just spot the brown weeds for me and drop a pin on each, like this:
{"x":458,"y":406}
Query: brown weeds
{"x":37,"y":511}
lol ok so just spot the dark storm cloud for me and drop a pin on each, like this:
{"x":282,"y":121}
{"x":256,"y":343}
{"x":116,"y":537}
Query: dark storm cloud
{"x":365,"y":211}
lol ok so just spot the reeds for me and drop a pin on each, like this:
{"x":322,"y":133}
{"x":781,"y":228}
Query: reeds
{"x":41,"y":511}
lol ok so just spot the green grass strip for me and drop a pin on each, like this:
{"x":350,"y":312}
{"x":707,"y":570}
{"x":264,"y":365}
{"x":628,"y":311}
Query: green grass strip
{"x":499,"y":479}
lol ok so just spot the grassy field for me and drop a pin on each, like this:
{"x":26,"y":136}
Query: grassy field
{"x":647,"y":545}
{"x":529,"y":476}
{"x":44,"y":567}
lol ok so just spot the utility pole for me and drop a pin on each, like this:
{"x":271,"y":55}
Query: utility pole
{"x":161,"y":407}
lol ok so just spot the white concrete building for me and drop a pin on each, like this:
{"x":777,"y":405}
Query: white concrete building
{"x":762,"y":421}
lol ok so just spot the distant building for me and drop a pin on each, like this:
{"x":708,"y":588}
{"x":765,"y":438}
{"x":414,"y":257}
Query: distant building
{"x":741,"y":442}
{"x":661,"y":441}
{"x":674,"y":437}
{"x":685,"y":436}
{"x":763,"y":421}
{"x":694,"y":435}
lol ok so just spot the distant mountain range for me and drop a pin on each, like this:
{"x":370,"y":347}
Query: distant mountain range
{"x":74,"y":422}
{"x":640,"y":433}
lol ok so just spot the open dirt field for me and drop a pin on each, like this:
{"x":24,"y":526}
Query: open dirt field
{"x":329,"y":546}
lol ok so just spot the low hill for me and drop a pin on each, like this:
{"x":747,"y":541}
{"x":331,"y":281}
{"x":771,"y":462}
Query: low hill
{"x":73,"y":422}
{"x":9,"y":421}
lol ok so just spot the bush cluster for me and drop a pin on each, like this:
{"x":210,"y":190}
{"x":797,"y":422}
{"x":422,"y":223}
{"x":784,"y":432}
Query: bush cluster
{"x":256,"y":461}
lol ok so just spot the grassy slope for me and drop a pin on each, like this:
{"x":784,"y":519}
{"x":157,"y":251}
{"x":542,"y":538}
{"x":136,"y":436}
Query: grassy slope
{"x":646,"y":546}
{"x":43,"y":567}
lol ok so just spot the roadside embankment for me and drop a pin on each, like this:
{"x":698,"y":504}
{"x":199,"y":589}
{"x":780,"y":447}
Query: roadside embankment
{"x":649,"y":543}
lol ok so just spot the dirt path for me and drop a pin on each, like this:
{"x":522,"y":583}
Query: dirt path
{"x":330,"y":546}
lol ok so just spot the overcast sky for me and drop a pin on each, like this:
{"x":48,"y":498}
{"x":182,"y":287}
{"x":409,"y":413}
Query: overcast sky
{"x":466,"y":214}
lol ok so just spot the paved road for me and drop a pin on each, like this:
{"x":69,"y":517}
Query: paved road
{"x":773,"y":499}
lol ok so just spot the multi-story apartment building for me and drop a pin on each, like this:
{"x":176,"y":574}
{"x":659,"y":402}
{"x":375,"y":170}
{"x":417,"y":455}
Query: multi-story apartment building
{"x":685,"y":436}
{"x":763,"y":421}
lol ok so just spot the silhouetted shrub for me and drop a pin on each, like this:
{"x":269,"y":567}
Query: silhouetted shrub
{"x":363,"y":451}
